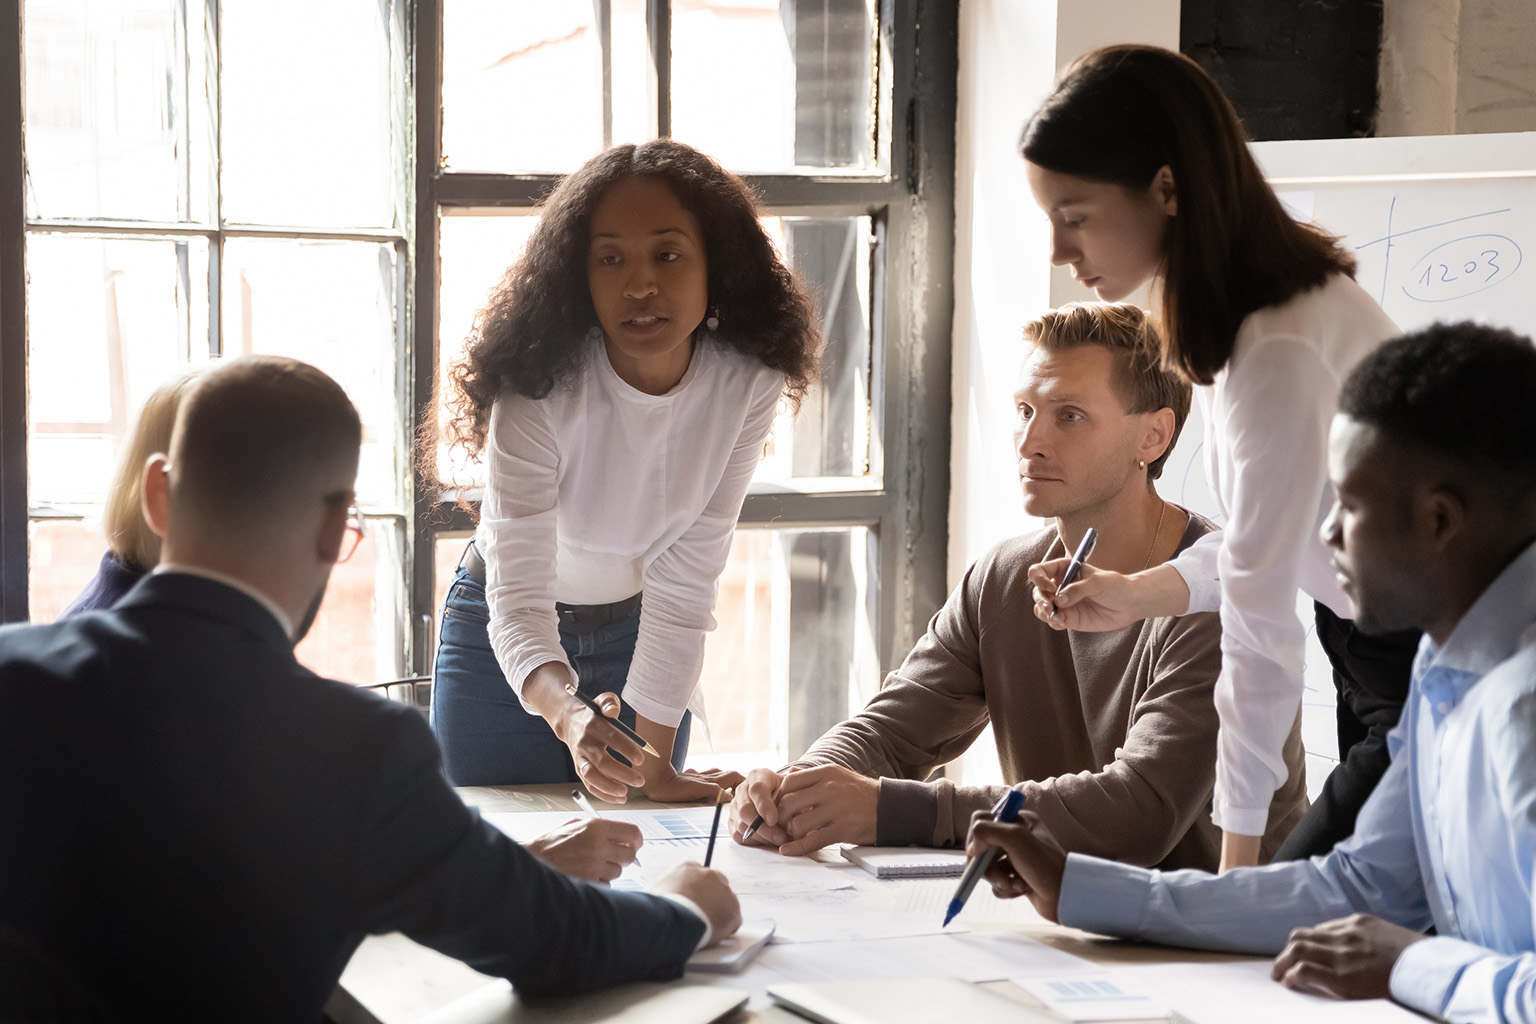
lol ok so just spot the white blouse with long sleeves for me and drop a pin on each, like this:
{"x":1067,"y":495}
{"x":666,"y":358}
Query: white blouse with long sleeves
{"x":599,"y":491}
{"x":1266,"y":456}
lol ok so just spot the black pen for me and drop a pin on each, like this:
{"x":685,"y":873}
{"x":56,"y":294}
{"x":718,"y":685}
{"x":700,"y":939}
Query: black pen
{"x":1084,"y":549}
{"x":757,"y":823}
{"x":1007,"y":809}
{"x":626,"y":730}
{"x":714,"y":829}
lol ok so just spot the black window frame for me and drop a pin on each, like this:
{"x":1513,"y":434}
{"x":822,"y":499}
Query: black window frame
{"x":909,"y":198}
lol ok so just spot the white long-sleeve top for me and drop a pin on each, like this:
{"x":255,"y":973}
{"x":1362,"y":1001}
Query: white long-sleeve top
{"x":599,"y":491}
{"x":1266,"y":456}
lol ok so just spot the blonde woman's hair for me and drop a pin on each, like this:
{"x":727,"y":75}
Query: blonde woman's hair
{"x":1132,"y":339}
{"x":128,"y":535}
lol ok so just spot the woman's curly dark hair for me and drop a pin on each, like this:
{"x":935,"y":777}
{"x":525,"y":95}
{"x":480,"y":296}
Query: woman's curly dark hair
{"x":532,"y":335}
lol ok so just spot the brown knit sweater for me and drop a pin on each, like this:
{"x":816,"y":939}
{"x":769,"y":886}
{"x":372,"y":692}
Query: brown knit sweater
{"x":1111,"y":736}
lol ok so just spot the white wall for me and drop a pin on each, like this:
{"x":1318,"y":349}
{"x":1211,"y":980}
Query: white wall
{"x":1010,"y":53}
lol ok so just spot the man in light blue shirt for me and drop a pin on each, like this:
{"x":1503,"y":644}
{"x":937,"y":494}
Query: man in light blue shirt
{"x":1433,"y":455}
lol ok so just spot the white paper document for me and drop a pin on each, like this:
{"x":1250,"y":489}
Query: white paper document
{"x":972,"y":957}
{"x":1242,"y":991}
{"x":929,"y":898}
{"x":1095,"y":997}
{"x":658,"y":823}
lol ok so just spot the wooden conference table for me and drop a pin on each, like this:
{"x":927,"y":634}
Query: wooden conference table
{"x":392,"y":980}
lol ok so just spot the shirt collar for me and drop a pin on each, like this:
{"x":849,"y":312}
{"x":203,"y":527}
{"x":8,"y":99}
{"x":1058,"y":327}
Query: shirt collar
{"x":229,"y":581}
{"x":1490,"y":631}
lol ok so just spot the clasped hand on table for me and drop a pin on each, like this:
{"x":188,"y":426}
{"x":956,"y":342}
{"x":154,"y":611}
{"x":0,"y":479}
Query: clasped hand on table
{"x":806,"y":809}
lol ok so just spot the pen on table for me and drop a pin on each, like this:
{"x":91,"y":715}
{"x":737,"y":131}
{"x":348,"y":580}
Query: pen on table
{"x":626,"y":730}
{"x":714,"y":828}
{"x":1084,"y":549}
{"x":586,"y":805}
{"x":1007,"y":809}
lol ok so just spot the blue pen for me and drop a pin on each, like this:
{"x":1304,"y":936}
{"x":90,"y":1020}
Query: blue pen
{"x":1007,"y":809}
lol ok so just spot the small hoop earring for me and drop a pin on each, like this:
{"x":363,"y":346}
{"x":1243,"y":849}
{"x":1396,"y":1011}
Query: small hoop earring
{"x":595,"y":333}
{"x":712,"y":322}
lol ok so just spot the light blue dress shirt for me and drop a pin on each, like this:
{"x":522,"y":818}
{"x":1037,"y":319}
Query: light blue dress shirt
{"x":1448,"y":837}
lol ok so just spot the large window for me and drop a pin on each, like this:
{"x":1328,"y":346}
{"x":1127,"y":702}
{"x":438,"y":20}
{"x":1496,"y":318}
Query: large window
{"x":345,"y":181}
{"x":206,"y":180}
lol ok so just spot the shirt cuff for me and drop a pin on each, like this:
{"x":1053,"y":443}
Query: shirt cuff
{"x":1204,"y":595}
{"x":652,"y":710}
{"x":1102,"y":896}
{"x":1427,"y":971}
{"x":698,"y":912}
{"x":905,"y":813}
{"x":1244,"y":821}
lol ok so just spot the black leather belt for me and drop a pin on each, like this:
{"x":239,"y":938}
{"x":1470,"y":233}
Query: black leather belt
{"x":574,"y":618}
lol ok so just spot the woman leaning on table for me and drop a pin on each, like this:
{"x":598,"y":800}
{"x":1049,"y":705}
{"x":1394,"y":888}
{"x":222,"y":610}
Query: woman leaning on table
{"x":1142,"y":166}
{"x":620,"y":385}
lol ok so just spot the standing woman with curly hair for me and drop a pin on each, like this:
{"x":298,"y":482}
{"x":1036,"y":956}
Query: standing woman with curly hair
{"x":620,"y":385}
{"x":1143,"y":168}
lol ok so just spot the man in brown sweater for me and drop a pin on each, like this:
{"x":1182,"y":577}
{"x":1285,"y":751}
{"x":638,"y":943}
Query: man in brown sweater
{"x":1112,"y":735}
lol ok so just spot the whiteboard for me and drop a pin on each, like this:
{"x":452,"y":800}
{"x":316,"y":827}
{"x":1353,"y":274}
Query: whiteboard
{"x":1443,"y":228}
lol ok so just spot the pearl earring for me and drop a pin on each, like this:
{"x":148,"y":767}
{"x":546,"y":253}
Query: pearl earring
{"x":712,"y":322}
{"x":1140,"y":464}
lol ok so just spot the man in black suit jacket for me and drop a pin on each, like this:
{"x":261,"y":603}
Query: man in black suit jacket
{"x":193,"y":825}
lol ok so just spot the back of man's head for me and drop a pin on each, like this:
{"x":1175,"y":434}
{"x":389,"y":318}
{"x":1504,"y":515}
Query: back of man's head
{"x":259,"y":442}
{"x":1463,"y":393}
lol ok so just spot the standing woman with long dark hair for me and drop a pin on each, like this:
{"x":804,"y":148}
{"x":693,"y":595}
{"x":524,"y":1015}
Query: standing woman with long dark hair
{"x":620,"y":384}
{"x":1143,"y":168}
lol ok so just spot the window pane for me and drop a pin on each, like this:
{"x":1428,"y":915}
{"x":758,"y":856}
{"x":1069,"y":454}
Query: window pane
{"x":475,"y":251}
{"x":64,"y":556}
{"x":830,"y":436}
{"x":310,"y":119}
{"x":793,"y":653}
{"x":768,"y":85}
{"x":357,"y":635}
{"x":109,"y":110}
{"x":333,"y":304}
{"x":523,"y":83}
{"x":109,"y":320}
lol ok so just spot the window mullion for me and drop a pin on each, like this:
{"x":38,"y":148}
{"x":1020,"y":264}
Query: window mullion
{"x":602,"y":13}
{"x":13,"y":332}
{"x":426,"y":50}
{"x":658,"y":21}
{"x":216,"y":239}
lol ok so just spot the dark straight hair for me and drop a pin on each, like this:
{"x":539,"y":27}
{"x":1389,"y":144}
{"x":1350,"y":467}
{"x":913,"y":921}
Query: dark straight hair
{"x":1121,"y":113}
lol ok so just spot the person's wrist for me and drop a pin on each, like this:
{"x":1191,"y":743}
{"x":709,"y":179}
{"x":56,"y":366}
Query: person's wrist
{"x":697,"y":911}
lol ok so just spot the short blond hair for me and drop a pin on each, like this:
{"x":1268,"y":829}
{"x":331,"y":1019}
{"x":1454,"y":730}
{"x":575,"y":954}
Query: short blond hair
{"x":1131,"y":337}
{"x":128,"y":535}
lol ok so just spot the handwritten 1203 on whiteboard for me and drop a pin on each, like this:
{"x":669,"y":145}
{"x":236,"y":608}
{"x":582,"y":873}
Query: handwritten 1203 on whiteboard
{"x":1442,"y":250}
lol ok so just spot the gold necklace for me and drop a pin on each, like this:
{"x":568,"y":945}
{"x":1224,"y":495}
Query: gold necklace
{"x":1156,"y":534}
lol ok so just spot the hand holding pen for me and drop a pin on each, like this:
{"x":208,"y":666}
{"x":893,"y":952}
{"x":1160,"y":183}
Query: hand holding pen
{"x":756,"y":795}
{"x":1022,"y":861}
{"x":1079,"y":557}
{"x":981,"y":856}
{"x":606,"y":754}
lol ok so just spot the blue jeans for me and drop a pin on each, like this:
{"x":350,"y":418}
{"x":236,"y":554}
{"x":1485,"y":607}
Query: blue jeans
{"x":486,"y":736}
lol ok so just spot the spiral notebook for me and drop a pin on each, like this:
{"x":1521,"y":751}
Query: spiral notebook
{"x":907,"y":861}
